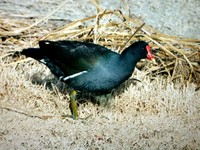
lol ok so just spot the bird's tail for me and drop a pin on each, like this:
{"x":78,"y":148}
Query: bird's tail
{"x":35,"y":53}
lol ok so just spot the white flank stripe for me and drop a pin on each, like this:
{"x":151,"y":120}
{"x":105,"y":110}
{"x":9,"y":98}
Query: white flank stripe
{"x":74,"y":75}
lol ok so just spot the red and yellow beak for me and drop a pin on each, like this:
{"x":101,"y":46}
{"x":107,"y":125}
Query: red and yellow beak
{"x":149,"y":54}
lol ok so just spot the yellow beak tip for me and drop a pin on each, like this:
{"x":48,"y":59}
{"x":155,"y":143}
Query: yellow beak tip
{"x":154,"y":61}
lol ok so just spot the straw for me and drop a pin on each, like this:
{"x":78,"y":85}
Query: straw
{"x":117,"y":31}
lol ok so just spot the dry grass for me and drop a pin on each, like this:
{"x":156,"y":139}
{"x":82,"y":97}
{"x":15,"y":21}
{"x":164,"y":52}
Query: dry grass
{"x":160,"y":112}
{"x":150,"y":114}
{"x":177,"y":57}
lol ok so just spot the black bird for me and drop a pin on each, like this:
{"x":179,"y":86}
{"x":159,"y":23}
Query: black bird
{"x":88,"y":67}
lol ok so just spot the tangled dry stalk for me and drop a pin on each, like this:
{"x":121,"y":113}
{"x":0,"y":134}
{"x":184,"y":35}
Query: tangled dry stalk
{"x":177,"y":58}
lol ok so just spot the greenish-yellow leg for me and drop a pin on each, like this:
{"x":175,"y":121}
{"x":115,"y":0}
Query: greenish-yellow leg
{"x":73,"y":104}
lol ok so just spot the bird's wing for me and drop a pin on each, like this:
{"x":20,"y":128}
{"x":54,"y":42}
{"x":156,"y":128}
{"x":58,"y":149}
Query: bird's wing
{"x":73,"y":56}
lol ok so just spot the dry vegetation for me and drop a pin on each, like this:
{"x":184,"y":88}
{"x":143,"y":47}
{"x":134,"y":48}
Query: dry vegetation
{"x":160,"y":112}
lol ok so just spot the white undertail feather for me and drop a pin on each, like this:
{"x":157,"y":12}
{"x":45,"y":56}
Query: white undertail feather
{"x":43,"y":61}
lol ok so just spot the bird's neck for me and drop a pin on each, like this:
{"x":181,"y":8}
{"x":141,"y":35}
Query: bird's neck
{"x":130,"y":57}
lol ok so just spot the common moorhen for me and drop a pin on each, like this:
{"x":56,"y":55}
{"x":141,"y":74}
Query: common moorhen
{"x":88,"y":67}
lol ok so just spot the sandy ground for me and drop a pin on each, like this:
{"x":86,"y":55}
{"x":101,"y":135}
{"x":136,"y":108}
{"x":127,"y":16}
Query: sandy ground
{"x":134,"y":123}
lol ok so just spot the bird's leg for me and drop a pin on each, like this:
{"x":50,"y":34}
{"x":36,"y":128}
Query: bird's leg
{"x":73,"y":104}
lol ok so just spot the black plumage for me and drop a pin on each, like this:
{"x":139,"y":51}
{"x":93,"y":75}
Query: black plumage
{"x":89,"y":67}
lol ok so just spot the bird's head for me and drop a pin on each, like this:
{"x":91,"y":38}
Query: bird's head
{"x":149,"y":53}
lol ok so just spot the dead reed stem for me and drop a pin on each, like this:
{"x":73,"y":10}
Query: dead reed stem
{"x":177,"y":58}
